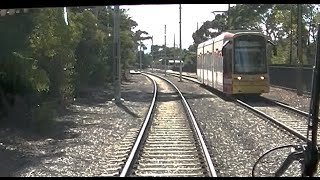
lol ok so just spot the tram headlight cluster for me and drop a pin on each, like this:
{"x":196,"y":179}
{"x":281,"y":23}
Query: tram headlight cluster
{"x":261,"y":77}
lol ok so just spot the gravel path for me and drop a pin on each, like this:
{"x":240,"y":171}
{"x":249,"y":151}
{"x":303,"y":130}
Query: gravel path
{"x":96,"y":126}
{"x":236,"y":136}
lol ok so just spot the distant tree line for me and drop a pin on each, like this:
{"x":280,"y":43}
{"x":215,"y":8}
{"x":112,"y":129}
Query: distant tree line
{"x":277,"y":21}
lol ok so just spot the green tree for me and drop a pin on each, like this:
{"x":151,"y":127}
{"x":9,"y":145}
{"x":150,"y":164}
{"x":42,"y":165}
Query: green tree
{"x":273,"y":20}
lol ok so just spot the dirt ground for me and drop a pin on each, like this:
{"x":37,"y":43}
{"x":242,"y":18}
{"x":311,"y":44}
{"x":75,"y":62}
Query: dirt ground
{"x":85,"y":137}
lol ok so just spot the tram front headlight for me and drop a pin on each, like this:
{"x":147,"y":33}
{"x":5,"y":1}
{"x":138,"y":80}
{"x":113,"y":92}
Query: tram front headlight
{"x":262,"y":77}
{"x":239,"y":77}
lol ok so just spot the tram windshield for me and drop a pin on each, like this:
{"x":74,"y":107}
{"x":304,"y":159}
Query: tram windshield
{"x":250,"y":55}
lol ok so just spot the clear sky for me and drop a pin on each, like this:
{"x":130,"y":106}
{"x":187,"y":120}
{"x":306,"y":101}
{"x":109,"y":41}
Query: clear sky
{"x":152,"y":18}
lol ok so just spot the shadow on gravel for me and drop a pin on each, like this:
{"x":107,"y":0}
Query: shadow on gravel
{"x":197,"y":96}
{"x":91,"y":100}
{"x":257,"y":101}
{"x":127,"y":110}
{"x":137,"y":96}
{"x":164,"y":97}
{"x":57,"y":129}
{"x":11,"y":161}
{"x":62,"y":130}
{"x":217,"y":93}
{"x":20,"y":148}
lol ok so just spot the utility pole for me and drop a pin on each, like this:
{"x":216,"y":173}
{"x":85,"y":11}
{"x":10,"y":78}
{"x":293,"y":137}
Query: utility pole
{"x":152,"y":52}
{"x":165,"y":47}
{"x":299,"y":52}
{"x":116,"y":55}
{"x":228,"y":18}
{"x":291,"y":34}
{"x":180,"y":42}
{"x":140,"y":57}
{"x":174,"y":48}
{"x":65,"y":15}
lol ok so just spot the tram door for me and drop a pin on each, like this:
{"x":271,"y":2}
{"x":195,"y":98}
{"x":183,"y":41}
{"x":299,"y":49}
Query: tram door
{"x":227,"y":68}
{"x":206,"y":67}
{"x":199,"y":67}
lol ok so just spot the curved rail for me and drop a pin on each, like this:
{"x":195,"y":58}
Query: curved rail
{"x":138,"y":141}
{"x":187,"y":77}
{"x":195,"y":125}
{"x":289,"y":107}
{"x":306,"y":93}
{"x":264,"y":115}
{"x":303,"y":113}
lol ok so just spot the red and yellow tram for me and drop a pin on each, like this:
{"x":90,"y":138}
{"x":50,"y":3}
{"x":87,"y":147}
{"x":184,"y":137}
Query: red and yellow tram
{"x":235,"y":63}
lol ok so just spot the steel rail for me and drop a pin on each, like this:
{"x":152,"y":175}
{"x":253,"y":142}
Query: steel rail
{"x":196,"y":127}
{"x":130,"y":161}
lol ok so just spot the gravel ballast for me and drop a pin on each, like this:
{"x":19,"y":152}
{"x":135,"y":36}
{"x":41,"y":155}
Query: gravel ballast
{"x":236,"y":136}
{"x":98,"y":126}
{"x":291,"y":98}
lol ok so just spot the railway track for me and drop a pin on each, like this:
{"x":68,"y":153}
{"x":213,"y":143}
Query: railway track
{"x":288,"y":118}
{"x":169,"y":142}
{"x":292,"y":120}
{"x":305,"y":93}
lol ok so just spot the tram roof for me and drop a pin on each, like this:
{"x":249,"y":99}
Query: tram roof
{"x":226,"y":35}
{"x":243,"y":31}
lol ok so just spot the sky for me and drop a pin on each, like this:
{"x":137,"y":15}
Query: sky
{"x":153,"y":18}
